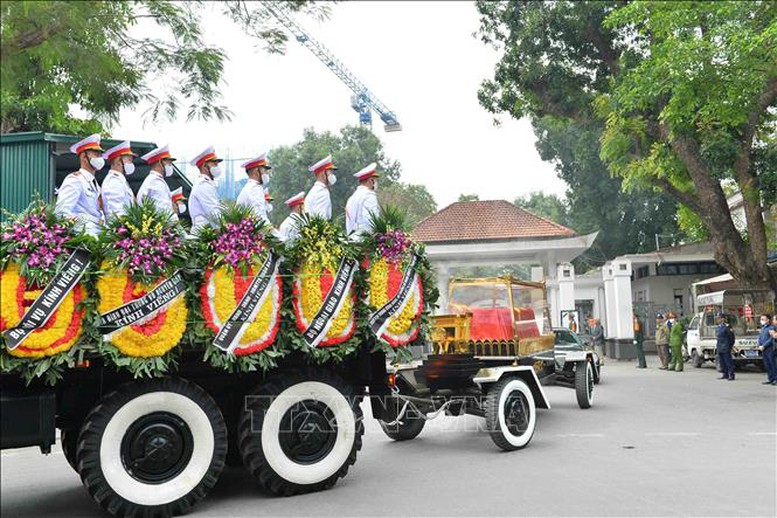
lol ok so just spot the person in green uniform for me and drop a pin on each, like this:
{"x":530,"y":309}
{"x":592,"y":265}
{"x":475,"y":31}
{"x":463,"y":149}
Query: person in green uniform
{"x":676,"y":345}
{"x":639,"y":340}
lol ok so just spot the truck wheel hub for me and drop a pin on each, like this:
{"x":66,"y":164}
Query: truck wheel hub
{"x":308,"y":432}
{"x":157,"y":447}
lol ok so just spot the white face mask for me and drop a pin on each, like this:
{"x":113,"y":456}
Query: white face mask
{"x":97,"y":162}
{"x":129,"y":168}
{"x":331,"y":178}
{"x":265,"y":178}
{"x":269,"y":207}
{"x":215,"y":171}
{"x":168,"y":170}
{"x":764,"y":322}
{"x":181,"y":208}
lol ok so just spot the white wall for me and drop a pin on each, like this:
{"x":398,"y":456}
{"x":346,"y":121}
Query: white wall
{"x":660,"y":289}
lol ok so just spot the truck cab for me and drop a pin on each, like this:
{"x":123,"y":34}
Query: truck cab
{"x":741,"y":308}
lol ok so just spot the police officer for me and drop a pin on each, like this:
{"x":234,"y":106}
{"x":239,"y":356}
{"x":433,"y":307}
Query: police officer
{"x":362,"y":206}
{"x":154,"y":186}
{"x":289,"y":229}
{"x":253,"y":192}
{"x":676,"y":345}
{"x":318,"y":202}
{"x":204,"y":199}
{"x":117,"y":194}
{"x":662,"y":341}
{"x":766,"y":346}
{"x":78,"y":197}
{"x":725,"y":342}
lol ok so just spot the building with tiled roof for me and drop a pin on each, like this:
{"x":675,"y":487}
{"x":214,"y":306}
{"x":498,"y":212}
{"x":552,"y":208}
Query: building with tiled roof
{"x":497,"y":232}
{"x":492,"y":220}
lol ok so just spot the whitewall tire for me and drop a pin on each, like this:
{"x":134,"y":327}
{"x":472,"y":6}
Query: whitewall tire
{"x":153,"y":447}
{"x":511,"y":415}
{"x":300,"y":432}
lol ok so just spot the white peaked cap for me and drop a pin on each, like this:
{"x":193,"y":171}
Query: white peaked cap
{"x":324,"y":163}
{"x":206,"y":155}
{"x":296,"y":199}
{"x":158,"y":154}
{"x":368,"y":172}
{"x":261,"y":160}
{"x":122,"y":149}
{"x":90,"y":142}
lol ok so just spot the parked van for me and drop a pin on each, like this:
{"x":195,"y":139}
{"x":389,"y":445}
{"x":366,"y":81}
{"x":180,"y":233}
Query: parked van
{"x":742,"y":308}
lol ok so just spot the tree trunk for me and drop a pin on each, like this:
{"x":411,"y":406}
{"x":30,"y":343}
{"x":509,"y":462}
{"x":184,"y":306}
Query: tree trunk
{"x":746,"y":262}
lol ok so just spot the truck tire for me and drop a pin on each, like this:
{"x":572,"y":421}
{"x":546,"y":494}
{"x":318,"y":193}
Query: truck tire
{"x":152,"y":448}
{"x":69,"y":441}
{"x":412,"y":424}
{"x":584,"y":385}
{"x":696,"y":359}
{"x":300,"y":432}
{"x":511,"y":415}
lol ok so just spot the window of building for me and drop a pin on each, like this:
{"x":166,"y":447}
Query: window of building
{"x":643,"y":271}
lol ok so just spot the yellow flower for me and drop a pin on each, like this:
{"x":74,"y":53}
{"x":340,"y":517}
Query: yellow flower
{"x":45,"y":341}
{"x":221,"y":294}
{"x":132,"y":341}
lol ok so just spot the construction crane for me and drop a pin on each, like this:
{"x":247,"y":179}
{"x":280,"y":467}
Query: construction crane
{"x":363,"y":101}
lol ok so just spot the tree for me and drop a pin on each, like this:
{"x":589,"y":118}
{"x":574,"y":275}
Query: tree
{"x":548,"y":206}
{"x":468,"y":197}
{"x":353,"y":148}
{"x":60,"y":54}
{"x":628,"y":222}
{"x":684,"y":95}
{"x":415,"y":201}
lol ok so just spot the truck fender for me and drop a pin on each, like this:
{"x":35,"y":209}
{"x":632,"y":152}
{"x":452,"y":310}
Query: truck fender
{"x":490,"y":375}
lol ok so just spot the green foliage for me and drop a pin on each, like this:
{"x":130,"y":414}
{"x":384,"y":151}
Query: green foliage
{"x":468,"y":197}
{"x":40,"y":224}
{"x":414,"y":200}
{"x":93,"y":55}
{"x":672,"y":96}
{"x":548,"y":206}
{"x":353,"y":148}
{"x":389,"y":218}
{"x":143,"y":223}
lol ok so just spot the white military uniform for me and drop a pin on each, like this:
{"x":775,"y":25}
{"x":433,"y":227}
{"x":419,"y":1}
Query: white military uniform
{"x":117,"y":194}
{"x":318,"y":202}
{"x":252,"y":195}
{"x":79,"y":198}
{"x":289,"y":230}
{"x":359,"y":209}
{"x":203,"y":201}
{"x":155,"y":188}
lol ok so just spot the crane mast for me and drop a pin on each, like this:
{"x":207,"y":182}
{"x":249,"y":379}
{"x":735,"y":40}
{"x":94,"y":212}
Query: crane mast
{"x":362,"y":101}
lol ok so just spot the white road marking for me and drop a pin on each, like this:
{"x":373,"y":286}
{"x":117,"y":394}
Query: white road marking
{"x":762,"y":433}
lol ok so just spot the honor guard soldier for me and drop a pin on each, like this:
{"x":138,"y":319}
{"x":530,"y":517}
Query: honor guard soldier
{"x":290,"y":227}
{"x":363,"y":203}
{"x":78,"y":197}
{"x":154,"y":187}
{"x":253,"y":192}
{"x":318,"y":202}
{"x":117,"y":194}
{"x":268,"y":199}
{"x":204,"y":198}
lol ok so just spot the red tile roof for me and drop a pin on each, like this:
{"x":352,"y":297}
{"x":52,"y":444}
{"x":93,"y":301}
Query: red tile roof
{"x":493,"y":220}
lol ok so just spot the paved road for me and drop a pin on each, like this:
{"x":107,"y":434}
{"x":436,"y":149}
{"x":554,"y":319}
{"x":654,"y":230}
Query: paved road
{"x":655,"y":444}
